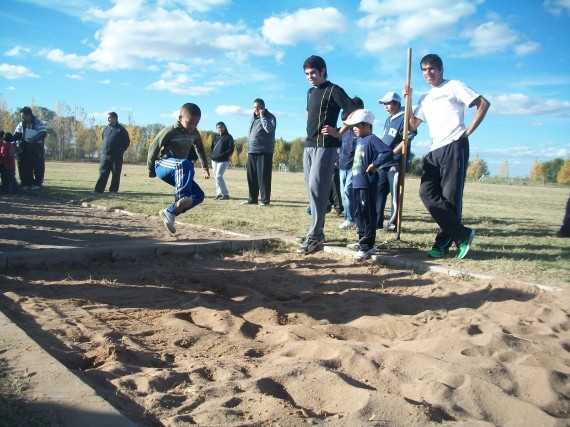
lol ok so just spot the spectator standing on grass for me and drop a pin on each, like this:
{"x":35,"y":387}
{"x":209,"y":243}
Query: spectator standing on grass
{"x":370,"y":154}
{"x":115,"y":142}
{"x":444,"y":167}
{"x":325,"y":100}
{"x":260,"y":148}
{"x":222,"y":149}
{"x":8,"y":163}
{"x":30,"y":134}
{"x":388,"y":174}
{"x":168,"y":160}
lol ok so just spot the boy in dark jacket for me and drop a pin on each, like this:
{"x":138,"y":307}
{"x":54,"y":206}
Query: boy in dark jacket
{"x":370,"y":154}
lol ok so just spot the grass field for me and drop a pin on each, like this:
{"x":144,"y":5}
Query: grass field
{"x":515,"y":224}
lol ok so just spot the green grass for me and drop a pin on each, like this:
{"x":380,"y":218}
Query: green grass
{"x":515,"y":224}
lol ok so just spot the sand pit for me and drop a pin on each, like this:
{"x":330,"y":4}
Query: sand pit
{"x":284,"y":340}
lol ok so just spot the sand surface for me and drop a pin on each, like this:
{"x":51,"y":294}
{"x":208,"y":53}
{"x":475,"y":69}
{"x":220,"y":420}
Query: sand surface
{"x":280,"y":339}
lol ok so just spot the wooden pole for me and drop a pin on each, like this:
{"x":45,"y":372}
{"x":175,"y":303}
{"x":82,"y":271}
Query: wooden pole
{"x":402,"y":172}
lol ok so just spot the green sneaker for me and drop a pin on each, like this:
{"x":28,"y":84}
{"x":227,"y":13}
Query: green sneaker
{"x":436,"y":253}
{"x":465,"y":245}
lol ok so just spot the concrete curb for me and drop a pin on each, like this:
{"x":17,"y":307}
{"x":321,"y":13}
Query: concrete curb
{"x":131,"y":251}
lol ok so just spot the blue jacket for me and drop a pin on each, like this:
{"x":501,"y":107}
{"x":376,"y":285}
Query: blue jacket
{"x":369,"y":150}
{"x":347,"y":147}
{"x":393,"y":135}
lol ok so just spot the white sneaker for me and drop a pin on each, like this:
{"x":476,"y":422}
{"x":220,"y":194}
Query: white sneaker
{"x":353,"y":246}
{"x":391,"y":227}
{"x":346,"y":225}
{"x":25,"y":187}
{"x":364,"y":255}
{"x":35,"y":187}
{"x":168,"y":220}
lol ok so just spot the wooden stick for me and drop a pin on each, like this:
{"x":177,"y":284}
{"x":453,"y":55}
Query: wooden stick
{"x":402,"y":173}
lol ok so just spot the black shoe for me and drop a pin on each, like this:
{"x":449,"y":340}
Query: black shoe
{"x":563,"y":232}
{"x":225,"y":197}
{"x":218,"y":197}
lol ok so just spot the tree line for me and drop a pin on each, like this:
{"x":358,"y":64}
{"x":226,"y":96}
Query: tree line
{"x":73,"y":135}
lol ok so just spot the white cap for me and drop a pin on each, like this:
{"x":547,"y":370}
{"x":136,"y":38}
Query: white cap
{"x":360,"y":116}
{"x":389,"y":97}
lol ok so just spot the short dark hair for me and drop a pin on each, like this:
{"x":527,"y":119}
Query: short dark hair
{"x":191,"y":109}
{"x":316,"y":62}
{"x":113,"y":114}
{"x":260,"y":102}
{"x":7,"y":137}
{"x":26,"y":111}
{"x":432,"y":59}
{"x":358,"y":101}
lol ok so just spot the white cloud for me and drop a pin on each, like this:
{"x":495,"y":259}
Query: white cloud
{"x":491,"y":37}
{"x":121,"y":9}
{"x":179,"y":86}
{"x":313,"y":25}
{"x":526,"y":48}
{"x":74,"y":76}
{"x":14,"y":72}
{"x":393,"y":23}
{"x":70,"y":60}
{"x":197,"y":5}
{"x":517,"y":104}
{"x":17,"y":51}
{"x":167,"y":36}
{"x":232,"y":110}
{"x":557,"y":7}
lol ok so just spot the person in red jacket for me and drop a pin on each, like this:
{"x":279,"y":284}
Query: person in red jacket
{"x":8,"y":164}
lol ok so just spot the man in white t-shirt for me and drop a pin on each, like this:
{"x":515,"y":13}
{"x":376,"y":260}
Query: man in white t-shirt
{"x":445,"y":166}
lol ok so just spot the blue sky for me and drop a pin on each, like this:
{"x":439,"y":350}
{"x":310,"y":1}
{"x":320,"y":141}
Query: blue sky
{"x":143,"y":59}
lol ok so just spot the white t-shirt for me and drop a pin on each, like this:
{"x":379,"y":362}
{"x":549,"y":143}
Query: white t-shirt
{"x":443,"y":108}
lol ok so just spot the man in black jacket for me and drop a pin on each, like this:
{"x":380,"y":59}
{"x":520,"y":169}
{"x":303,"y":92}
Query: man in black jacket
{"x":115,"y":142}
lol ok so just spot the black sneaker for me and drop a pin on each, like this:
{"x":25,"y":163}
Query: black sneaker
{"x":310,"y":245}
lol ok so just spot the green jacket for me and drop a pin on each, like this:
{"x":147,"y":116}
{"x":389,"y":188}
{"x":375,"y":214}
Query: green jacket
{"x":174,"y":142}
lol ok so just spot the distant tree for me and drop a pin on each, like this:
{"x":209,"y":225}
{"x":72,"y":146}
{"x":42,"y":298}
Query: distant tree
{"x":416,"y":166}
{"x":241,"y":149}
{"x":551,"y":169}
{"x":135,"y":136}
{"x":207,"y":141}
{"x":477,"y":168}
{"x":503,"y":171}
{"x":242,"y":156}
{"x":234,"y":159}
{"x":537,"y":171}
{"x":296,"y":154}
{"x":280,"y":153}
{"x":563,"y":176}
{"x":7,"y":117}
